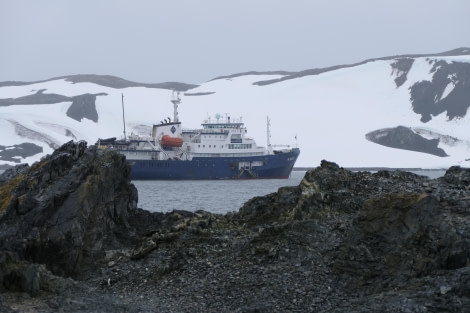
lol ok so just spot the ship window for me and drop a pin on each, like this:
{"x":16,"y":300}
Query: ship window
{"x":199,"y":146}
{"x":203,"y":146}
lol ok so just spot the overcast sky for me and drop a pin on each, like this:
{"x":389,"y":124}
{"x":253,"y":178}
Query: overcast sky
{"x":194,"y":41}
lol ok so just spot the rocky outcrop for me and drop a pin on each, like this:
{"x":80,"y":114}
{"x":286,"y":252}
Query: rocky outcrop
{"x":400,"y":69}
{"x":391,"y":235}
{"x":406,"y":138}
{"x":84,"y":106}
{"x":67,"y":210}
{"x":341,"y":241}
{"x":446,"y":92}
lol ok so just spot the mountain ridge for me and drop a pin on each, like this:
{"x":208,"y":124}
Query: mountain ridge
{"x":114,"y":81}
{"x":341,"y":113}
{"x":317,"y":71}
{"x":106,"y":81}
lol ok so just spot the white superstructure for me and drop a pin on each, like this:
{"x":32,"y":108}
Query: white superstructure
{"x":221,"y":137}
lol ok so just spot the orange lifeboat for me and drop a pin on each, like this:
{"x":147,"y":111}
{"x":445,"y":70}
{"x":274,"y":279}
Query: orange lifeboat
{"x":168,"y":141}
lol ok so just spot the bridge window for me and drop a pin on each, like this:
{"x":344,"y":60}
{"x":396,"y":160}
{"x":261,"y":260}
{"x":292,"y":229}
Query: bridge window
{"x":240,"y":146}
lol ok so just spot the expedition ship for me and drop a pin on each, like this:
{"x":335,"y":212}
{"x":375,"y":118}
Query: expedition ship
{"x":220,"y":150}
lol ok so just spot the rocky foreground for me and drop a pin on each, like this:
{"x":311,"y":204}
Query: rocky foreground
{"x":73,"y":240}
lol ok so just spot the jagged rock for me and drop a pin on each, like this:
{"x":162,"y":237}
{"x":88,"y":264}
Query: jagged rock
{"x":341,"y":241}
{"x":12,"y":172}
{"x":151,"y":243}
{"x":458,"y":176}
{"x":67,"y":209}
{"x":17,"y":275}
{"x":380,"y":233}
{"x":394,"y":238}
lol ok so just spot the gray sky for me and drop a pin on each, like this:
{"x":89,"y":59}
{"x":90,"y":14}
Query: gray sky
{"x":193,"y":41}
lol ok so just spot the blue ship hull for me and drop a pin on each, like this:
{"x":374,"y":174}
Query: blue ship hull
{"x":278,"y":165}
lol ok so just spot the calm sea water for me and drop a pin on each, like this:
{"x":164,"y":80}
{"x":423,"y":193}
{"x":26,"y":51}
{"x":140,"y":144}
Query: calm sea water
{"x":216,"y":196}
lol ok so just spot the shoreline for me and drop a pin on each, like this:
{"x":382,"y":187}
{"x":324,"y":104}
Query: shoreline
{"x":376,"y":169}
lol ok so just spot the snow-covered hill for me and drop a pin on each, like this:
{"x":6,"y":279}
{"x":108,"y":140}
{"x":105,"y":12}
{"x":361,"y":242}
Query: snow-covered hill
{"x":406,"y":111}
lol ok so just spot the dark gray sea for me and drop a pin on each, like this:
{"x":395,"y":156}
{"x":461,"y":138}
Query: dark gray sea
{"x":216,"y":196}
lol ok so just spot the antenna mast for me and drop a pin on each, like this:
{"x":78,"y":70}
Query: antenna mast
{"x":176,"y":100}
{"x":268,"y":134}
{"x":123,"y":118}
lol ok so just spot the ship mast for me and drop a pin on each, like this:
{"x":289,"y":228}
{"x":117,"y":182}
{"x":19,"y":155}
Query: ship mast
{"x":175,"y":100}
{"x":123,"y":119}
{"x":268,"y":135}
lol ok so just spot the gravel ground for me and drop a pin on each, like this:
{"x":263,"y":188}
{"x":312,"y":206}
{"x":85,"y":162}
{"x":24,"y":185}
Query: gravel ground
{"x":338,"y":242}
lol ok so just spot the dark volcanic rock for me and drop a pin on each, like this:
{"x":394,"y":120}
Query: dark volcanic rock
{"x":12,"y":172}
{"x":67,"y":209}
{"x":394,"y":238}
{"x":458,"y":176}
{"x":341,"y":241}
{"x":17,"y":275}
